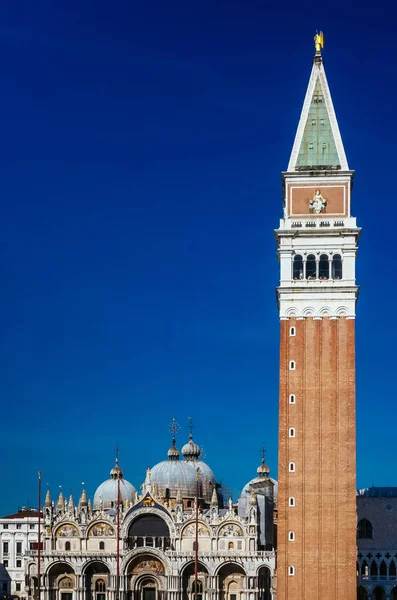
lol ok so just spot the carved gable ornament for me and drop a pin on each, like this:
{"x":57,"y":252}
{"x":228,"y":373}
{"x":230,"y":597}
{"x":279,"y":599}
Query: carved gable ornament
{"x":317,"y":203}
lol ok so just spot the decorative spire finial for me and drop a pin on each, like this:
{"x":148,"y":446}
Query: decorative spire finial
{"x":83,"y":497}
{"x":190,"y":427}
{"x":48,"y":498}
{"x":214,"y":498}
{"x":174,"y":427}
{"x":319,"y":42}
{"x":263,"y":470}
{"x":116,"y":450}
{"x":61,"y":499}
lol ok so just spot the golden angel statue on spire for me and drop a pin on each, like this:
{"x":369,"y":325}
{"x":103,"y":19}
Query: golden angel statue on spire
{"x":319,"y":41}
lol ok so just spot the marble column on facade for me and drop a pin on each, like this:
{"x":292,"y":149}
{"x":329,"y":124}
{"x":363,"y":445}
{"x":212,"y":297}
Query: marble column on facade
{"x":215,"y":595}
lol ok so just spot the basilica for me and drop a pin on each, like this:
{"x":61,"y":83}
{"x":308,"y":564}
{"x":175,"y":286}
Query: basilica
{"x":178,"y":538}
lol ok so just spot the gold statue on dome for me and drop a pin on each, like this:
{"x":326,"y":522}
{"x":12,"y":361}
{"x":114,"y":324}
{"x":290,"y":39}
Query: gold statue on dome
{"x":319,"y":41}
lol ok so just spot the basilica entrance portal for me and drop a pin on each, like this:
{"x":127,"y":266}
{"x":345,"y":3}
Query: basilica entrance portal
{"x":148,"y":593}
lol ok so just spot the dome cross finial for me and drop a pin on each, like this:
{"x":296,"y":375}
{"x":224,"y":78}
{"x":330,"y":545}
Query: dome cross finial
{"x":174,"y":427}
{"x":190,"y":427}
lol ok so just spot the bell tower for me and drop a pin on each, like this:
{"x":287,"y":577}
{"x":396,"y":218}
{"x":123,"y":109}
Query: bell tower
{"x":317,"y":246}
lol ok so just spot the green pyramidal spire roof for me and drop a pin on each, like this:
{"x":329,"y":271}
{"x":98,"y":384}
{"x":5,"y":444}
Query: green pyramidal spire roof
{"x":318,"y":142}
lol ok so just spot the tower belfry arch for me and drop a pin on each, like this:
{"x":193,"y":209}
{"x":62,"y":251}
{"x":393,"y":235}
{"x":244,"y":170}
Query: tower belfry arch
{"x":317,"y":246}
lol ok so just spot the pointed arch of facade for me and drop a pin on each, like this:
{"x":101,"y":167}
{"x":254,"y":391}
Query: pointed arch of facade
{"x":235,"y":563}
{"x":378,"y":592}
{"x":148,"y":551}
{"x":140,"y":512}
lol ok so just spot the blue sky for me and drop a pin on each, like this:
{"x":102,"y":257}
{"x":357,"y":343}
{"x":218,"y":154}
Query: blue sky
{"x":142,"y":145}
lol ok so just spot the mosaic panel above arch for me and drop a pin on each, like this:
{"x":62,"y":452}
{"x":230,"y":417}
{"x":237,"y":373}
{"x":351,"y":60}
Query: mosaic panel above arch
{"x":101,"y":530}
{"x":67,"y":531}
{"x":147,"y":565}
{"x":190,"y":530}
{"x":66,"y":581}
{"x":230,"y":530}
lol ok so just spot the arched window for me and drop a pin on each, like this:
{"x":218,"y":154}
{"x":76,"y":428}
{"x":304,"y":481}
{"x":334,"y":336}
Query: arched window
{"x":292,"y":331}
{"x":101,"y":545}
{"x":292,"y":399}
{"x":311,"y":267}
{"x":291,"y":432}
{"x":197,"y":590}
{"x":323,"y":267}
{"x":297,"y":267}
{"x":337,"y":267}
{"x":292,"y":365}
{"x":392,"y":570}
{"x":291,"y":502}
{"x":364,"y":569}
{"x":67,"y":546}
{"x":374,"y":569}
{"x":291,"y":570}
{"x":379,"y":593}
{"x":291,"y":536}
{"x":100,"y":585}
{"x":291,"y":467}
{"x":383,"y":570}
{"x":362,"y":593}
{"x":364,"y":529}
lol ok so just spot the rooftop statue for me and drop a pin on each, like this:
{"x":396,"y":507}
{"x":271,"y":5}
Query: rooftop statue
{"x":319,"y":42}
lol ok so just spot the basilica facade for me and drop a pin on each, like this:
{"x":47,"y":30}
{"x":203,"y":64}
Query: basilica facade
{"x":175,"y":540}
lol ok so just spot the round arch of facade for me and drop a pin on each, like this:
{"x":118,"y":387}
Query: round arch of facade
{"x":146,"y":551}
{"x":201,"y":563}
{"x":264,"y":566}
{"x":65,"y":525}
{"x":93,"y":561}
{"x":228,"y":524}
{"x":160,"y":581}
{"x":133,"y":516}
{"x":58,"y":562}
{"x":108,"y":525}
{"x":229,"y":562}
{"x":190,"y":523}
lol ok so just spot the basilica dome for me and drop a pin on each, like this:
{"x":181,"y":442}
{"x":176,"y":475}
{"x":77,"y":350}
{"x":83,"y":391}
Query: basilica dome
{"x":190,"y":450}
{"x":106,"y":494}
{"x":173,"y":475}
{"x":261,"y":482}
{"x":191,"y":453}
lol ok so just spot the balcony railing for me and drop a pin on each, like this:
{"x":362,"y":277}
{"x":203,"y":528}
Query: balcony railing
{"x":164,"y":543}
